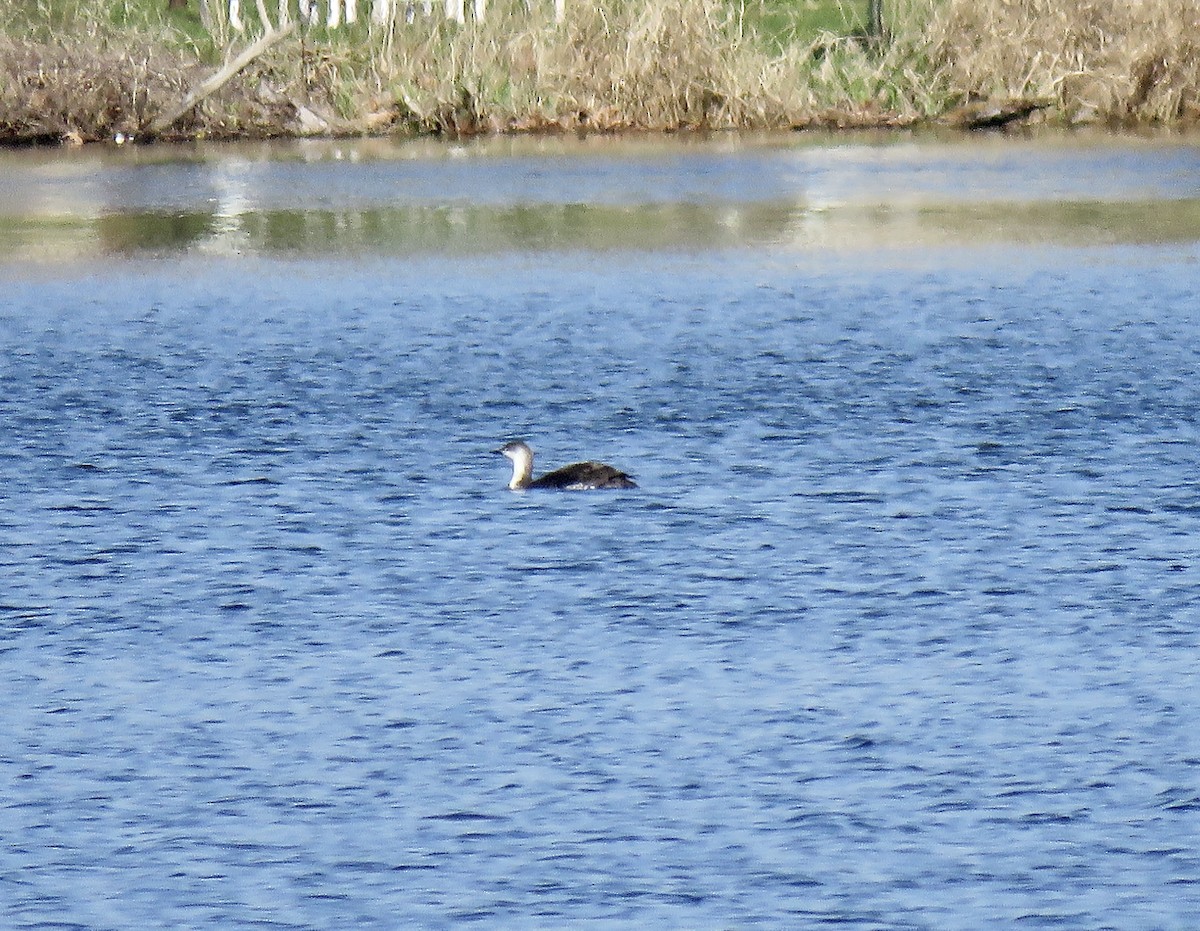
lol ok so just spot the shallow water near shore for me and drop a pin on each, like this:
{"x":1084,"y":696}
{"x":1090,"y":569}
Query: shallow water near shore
{"x":899,"y":630}
{"x":382,"y":197}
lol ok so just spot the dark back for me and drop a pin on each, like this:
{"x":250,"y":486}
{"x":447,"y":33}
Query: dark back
{"x":584,"y":475}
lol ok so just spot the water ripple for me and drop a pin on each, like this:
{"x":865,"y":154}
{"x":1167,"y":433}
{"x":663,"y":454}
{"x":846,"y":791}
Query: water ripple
{"x":897,"y":632}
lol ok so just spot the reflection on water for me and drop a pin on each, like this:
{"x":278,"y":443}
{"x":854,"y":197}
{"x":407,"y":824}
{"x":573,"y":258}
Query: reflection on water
{"x":396,"y":198}
{"x":442,"y":229}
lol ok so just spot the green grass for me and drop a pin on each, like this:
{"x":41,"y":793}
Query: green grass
{"x":778,"y":23}
{"x":781,"y":23}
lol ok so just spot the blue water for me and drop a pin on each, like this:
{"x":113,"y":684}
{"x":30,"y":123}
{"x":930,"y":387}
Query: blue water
{"x":899,"y":631}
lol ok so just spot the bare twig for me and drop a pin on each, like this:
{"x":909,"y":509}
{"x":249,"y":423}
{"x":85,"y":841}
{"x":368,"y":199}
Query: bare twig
{"x":218,"y":80}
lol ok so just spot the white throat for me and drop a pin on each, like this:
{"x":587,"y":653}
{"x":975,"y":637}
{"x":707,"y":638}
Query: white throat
{"x":522,"y":461}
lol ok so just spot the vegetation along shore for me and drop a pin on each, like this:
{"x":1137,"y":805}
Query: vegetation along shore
{"x":103,"y":70}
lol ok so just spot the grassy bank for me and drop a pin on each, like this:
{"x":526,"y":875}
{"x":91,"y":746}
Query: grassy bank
{"x":95,"y":68}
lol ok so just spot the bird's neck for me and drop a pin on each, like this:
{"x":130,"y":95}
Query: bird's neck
{"x":522,"y":472}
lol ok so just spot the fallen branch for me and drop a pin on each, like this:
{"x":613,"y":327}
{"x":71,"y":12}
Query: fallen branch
{"x":989,"y":114}
{"x":217,"y":81}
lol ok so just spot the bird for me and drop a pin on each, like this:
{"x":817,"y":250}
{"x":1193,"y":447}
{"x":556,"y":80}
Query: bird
{"x":579,"y":476}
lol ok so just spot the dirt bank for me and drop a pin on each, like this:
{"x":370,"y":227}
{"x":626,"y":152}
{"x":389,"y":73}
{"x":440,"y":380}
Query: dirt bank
{"x":674,"y":65}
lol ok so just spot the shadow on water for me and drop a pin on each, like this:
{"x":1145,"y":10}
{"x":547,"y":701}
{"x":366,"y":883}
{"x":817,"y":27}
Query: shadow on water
{"x":785,"y":192}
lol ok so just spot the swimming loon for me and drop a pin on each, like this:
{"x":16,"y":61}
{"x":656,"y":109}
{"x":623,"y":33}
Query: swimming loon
{"x":578,"y":477}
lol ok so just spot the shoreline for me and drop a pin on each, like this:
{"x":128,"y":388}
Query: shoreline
{"x":308,"y":124}
{"x":682,"y":66}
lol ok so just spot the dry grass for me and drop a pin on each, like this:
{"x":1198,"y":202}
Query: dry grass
{"x":73,"y":90}
{"x":65,"y":76}
{"x":1108,"y":60}
{"x":74,"y":74}
{"x":615,"y":64}
{"x":670,"y":65}
{"x":626,"y":64}
{"x":76,"y":91}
